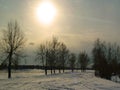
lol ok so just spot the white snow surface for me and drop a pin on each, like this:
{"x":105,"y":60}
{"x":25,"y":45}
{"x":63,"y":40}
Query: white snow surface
{"x":36,"y":80}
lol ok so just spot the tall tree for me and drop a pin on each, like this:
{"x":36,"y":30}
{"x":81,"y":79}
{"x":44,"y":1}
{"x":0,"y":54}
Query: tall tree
{"x":72,"y":60}
{"x":63,"y":55}
{"x":113,"y":57}
{"x":12,"y":42}
{"x":48,"y":54}
{"x":41,"y":55}
{"x":99,"y":58}
{"x":83,"y":60}
{"x":54,"y":52}
{"x":106,"y":59}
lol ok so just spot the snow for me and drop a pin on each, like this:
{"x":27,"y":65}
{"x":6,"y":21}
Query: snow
{"x":115,"y":78}
{"x":36,"y":80}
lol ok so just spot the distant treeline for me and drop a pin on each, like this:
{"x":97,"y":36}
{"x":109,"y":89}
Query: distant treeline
{"x":21,"y":67}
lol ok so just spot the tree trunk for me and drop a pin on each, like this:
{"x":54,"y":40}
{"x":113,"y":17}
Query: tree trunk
{"x":45,"y":70}
{"x":9,"y":65}
{"x":54,"y":71}
{"x":59,"y":70}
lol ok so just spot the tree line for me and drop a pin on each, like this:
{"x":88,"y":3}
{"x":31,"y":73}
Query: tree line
{"x":54,"y":54}
{"x":51,"y":54}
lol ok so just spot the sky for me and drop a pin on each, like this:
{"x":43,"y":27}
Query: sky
{"x":78,"y":23}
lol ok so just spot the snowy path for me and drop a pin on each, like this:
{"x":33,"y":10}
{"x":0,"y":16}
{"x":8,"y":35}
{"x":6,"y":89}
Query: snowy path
{"x":66,"y":81}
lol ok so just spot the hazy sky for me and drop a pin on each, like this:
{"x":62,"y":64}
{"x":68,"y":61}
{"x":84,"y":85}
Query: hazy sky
{"x":78,"y":22}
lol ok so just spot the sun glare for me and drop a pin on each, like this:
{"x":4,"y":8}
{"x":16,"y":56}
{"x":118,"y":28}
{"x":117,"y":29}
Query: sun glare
{"x":46,"y":12}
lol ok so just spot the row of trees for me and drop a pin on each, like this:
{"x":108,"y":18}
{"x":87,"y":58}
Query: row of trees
{"x":55,"y":55}
{"x":106,"y":58}
{"x":51,"y":55}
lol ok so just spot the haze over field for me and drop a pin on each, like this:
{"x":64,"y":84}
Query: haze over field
{"x":76,"y":22}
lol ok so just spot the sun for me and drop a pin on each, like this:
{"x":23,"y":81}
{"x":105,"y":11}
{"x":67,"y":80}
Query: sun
{"x":46,"y":12}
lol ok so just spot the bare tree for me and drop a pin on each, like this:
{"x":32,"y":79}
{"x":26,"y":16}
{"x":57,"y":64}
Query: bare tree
{"x":83,"y":60}
{"x":47,"y":54}
{"x":63,"y":56}
{"x":41,"y":56}
{"x":99,"y":58}
{"x":53,"y":52}
{"x":12,"y":42}
{"x":113,"y":57}
{"x":72,"y":60}
{"x":52,"y":55}
{"x":17,"y":57}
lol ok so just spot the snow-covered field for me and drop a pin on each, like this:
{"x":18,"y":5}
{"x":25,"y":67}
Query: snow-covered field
{"x":36,"y":80}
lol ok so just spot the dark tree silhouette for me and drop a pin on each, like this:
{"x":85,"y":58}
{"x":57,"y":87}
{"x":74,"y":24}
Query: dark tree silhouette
{"x":41,"y":51}
{"x":12,"y":42}
{"x":72,"y":60}
{"x":63,"y":55}
{"x":54,"y":49}
{"x":83,"y":60}
{"x":41,"y":56}
{"x":106,"y":59}
{"x":113,"y":57}
{"x":99,"y":57}
{"x":52,"y":54}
